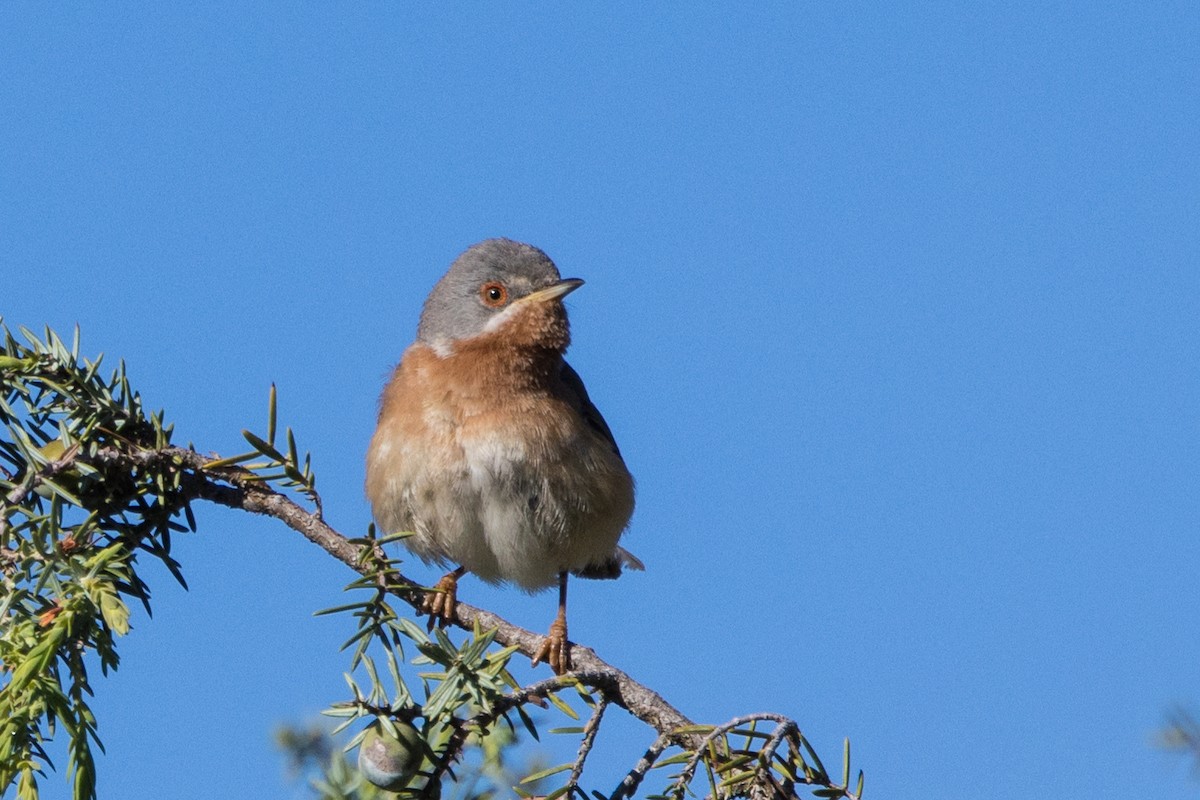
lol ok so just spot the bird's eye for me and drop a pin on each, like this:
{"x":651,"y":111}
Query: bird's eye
{"x":494,"y":294}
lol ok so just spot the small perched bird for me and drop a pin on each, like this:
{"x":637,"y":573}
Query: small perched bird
{"x":487,"y":447}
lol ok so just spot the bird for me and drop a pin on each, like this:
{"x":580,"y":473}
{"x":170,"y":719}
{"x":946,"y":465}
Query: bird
{"x":488,"y":450}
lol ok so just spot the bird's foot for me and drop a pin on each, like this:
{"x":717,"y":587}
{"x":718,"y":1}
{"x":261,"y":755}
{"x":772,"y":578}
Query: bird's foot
{"x":440,"y":601}
{"x":555,"y":649}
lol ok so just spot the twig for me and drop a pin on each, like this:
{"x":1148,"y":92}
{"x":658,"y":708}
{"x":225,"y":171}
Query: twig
{"x":600,"y":681}
{"x":636,"y":775}
{"x":689,"y":770}
{"x":34,"y":477}
{"x":21,"y":491}
{"x":589,"y":738}
{"x":783,"y":730}
{"x":483,"y":720}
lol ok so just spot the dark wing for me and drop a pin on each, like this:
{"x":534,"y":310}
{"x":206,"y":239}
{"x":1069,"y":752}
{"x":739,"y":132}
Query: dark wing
{"x":583,"y":404}
{"x":622,"y":559}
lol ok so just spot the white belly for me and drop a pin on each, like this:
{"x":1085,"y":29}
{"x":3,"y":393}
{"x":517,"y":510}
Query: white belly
{"x":507,"y":521}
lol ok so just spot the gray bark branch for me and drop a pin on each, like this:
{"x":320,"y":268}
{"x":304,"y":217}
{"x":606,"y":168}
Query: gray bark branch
{"x":235,"y":488}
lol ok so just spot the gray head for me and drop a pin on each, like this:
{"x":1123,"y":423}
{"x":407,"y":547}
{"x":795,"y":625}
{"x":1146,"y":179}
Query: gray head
{"x":483,"y":283}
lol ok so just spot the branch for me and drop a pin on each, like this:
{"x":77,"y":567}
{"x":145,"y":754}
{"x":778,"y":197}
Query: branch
{"x":235,"y":487}
{"x":238,"y":488}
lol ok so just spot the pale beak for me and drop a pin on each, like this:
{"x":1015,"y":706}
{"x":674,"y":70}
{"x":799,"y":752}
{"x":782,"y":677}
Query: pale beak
{"x":555,"y":291}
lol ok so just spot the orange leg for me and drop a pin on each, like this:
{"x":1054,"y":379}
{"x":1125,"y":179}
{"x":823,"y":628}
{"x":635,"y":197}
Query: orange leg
{"x":440,"y":602}
{"x":555,"y":648}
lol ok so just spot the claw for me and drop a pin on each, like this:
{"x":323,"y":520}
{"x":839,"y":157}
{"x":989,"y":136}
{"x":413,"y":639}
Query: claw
{"x":555,"y":649}
{"x":441,"y":601}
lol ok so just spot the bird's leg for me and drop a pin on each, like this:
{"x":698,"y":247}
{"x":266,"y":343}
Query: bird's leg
{"x":555,"y":648}
{"x":441,"y":600}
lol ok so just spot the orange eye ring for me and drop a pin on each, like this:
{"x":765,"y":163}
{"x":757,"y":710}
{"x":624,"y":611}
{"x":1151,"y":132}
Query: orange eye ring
{"x":494,"y":294}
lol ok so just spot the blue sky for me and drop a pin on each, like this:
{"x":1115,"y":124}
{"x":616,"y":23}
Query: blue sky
{"x":893,"y":311}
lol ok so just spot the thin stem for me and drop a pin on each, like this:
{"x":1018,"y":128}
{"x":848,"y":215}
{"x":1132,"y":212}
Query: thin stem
{"x":589,"y":738}
{"x":634,"y":779}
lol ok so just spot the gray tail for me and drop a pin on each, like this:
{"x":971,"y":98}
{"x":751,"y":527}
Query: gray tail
{"x":612,"y":567}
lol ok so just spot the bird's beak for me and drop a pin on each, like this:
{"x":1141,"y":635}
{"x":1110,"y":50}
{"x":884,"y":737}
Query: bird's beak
{"x":555,"y":291}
